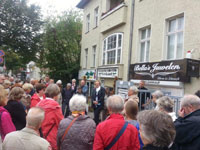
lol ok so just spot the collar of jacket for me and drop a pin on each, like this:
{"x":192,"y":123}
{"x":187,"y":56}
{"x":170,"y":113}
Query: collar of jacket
{"x":29,"y":130}
{"x":116,"y":116}
{"x":194,"y":113}
{"x":151,"y":147}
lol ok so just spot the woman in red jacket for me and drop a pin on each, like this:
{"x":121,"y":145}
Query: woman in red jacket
{"x":39,"y":95}
{"x":53,"y":114}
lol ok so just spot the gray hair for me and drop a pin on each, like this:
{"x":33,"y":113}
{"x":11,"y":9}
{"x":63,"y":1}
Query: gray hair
{"x":52,"y":90}
{"x":77,"y":103}
{"x":134,"y":89}
{"x":165,"y":103}
{"x":190,"y":100}
{"x":158,"y":94}
{"x":156,"y":127}
{"x":73,"y":80}
{"x":27,"y":86}
{"x":69,"y":84}
{"x":115,"y":103}
{"x":35,"y":117}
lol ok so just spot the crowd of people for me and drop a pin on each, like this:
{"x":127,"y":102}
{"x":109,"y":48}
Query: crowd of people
{"x":42,"y":115}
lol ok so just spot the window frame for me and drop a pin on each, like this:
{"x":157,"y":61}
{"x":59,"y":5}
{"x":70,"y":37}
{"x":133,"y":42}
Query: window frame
{"x":87,"y":23}
{"x":94,"y":47}
{"x":116,"y":49}
{"x":145,"y":40}
{"x":86,"y":58}
{"x":96,"y":17}
{"x":176,"y":32}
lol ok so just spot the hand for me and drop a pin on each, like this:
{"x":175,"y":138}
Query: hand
{"x":95,"y":102}
{"x":181,"y":112}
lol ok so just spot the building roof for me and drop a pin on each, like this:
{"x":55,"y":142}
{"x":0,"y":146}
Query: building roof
{"x":82,"y":3}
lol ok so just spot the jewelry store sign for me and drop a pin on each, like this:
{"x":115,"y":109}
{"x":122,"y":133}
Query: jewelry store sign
{"x":177,"y":70}
{"x":108,"y":72}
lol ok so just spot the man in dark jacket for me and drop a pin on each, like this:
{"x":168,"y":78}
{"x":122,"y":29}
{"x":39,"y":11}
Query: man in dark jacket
{"x":67,"y":94}
{"x":98,"y":95}
{"x":142,"y":94}
{"x":188,"y":124}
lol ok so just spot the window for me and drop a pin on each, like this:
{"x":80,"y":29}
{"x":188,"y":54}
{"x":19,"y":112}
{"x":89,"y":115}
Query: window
{"x":94,"y":55}
{"x":115,"y":3}
{"x":112,"y":49}
{"x":145,"y":44}
{"x":96,"y":16}
{"x":88,"y":23}
{"x":86,"y":57}
{"x":175,"y":38}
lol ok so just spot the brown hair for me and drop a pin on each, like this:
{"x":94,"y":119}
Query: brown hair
{"x":131,"y":109}
{"x":16,"y":93}
{"x":39,"y":87}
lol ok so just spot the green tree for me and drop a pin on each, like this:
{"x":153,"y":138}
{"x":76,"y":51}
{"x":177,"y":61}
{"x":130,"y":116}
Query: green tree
{"x":20,"y":26}
{"x":62,"y":47}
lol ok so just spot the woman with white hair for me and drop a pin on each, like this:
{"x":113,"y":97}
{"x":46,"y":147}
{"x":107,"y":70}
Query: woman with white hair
{"x":76,"y":132}
{"x":155,"y":96}
{"x":166,"y":104}
{"x":133,"y":94}
{"x":156,"y":129}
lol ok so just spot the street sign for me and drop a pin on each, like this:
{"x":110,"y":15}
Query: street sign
{"x":1,"y":60}
{"x":2,"y":53}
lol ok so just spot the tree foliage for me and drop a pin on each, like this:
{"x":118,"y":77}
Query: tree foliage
{"x":62,"y":47}
{"x":20,"y":26}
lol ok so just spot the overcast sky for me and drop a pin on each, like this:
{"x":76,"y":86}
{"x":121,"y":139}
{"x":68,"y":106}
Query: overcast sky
{"x":53,"y":7}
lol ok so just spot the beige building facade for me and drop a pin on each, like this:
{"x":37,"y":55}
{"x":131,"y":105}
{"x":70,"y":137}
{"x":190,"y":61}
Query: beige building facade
{"x":105,"y":40}
{"x":165,"y":33}
{"x":168,"y":30}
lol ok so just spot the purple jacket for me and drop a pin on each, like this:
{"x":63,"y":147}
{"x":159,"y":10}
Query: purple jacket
{"x":6,"y":124}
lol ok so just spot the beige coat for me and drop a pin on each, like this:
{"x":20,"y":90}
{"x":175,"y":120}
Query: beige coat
{"x":26,"y":139}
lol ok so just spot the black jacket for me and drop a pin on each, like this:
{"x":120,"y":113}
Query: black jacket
{"x":17,"y":112}
{"x":67,"y":95}
{"x":100,"y":95}
{"x":188,"y":132}
{"x":151,"y":147}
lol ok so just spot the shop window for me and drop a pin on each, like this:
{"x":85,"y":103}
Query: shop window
{"x":145,"y":44}
{"x":175,"y":38}
{"x":112,"y":49}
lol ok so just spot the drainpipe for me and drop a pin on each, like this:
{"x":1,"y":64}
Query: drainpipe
{"x":131,"y":37}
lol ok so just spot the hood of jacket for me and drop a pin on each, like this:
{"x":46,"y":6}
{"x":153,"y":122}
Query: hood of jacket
{"x":48,"y":104}
{"x":2,"y":109}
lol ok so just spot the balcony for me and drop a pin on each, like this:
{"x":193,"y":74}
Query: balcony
{"x":113,"y":18}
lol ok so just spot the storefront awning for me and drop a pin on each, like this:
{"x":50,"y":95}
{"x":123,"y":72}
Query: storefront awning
{"x":172,"y":70}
